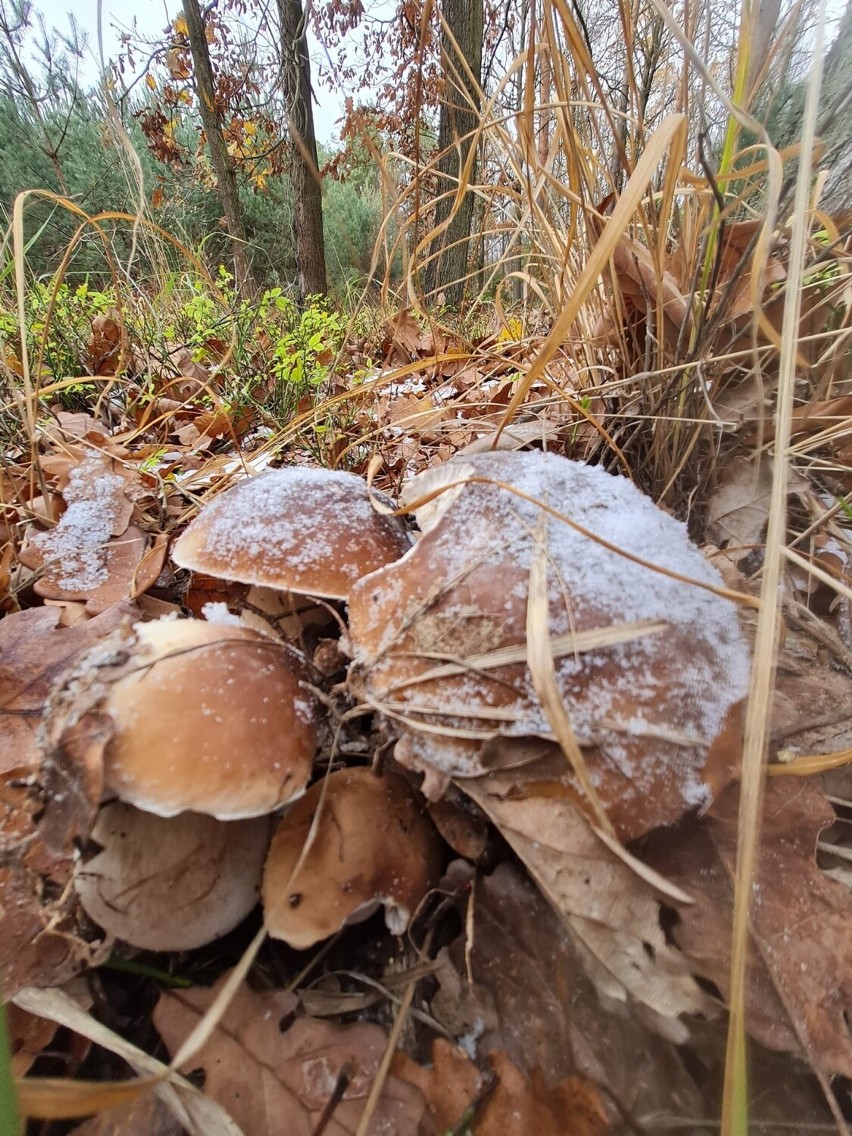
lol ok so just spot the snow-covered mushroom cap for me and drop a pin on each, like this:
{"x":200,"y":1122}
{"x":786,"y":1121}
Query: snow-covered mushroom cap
{"x":313,"y":531}
{"x":373,"y":845}
{"x":171,"y":884}
{"x":657,"y":716}
{"x":209,"y":718}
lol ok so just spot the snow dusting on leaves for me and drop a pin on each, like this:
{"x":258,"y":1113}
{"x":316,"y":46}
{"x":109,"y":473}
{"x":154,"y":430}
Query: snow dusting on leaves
{"x":73,"y":552}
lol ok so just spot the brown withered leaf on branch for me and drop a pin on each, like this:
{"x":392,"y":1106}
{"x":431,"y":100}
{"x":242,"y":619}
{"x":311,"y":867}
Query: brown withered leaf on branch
{"x":104,"y":346}
{"x":276,"y":1083}
{"x":503,"y":1101}
{"x":800,"y":983}
{"x":612,"y":912}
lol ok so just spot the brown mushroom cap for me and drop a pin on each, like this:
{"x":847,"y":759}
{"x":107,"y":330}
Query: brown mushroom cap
{"x":373,"y":845}
{"x":171,"y":884}
{"x":209,"y":718}
{"x":313,"y":531}
{"x":656,"y":716}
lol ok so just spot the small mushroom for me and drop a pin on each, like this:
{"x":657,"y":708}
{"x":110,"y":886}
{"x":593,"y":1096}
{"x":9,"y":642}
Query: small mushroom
{"x":439,"y":637}
{"x":311,"y":531}
{"x":171,"y":884}
{"x":372,"y":845}
{"x":209,"y":718}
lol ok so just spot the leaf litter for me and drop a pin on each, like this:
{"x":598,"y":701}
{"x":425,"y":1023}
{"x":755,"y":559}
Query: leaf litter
{"x":582,"y":984}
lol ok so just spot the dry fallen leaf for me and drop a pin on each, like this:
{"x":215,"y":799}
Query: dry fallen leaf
{"x":739,"y":505}
{"x":145,"y":1116}
{"x":277,"y":1083}
{"x":508,"y":982}
{"x":800,"y":992}
{"x":197,"y":1113}
{"x":502,"y":1102}
{"x":42,"y":823}
{"x":612,"y":913}
{"x":403,"y":342}
{"x":28,"y":1036}
{"x":514,"y":982}
{"x":93,"y":553}
{"x":34,"y":651}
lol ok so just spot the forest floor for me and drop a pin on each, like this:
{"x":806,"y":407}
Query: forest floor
{"x":560,"y":886}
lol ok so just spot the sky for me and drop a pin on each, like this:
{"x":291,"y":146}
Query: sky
{"x":150,"y":18}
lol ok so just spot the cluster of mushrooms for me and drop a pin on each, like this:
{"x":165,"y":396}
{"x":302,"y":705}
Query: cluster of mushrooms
{"x":214,"y":790}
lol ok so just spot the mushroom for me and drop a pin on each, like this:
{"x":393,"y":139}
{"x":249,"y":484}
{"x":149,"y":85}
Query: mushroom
{"x":171,"y":884}
{"x":312,"y":531}
{"x":210,"y":718}
{"x":372,"y":845}
{"x":438,"y":638}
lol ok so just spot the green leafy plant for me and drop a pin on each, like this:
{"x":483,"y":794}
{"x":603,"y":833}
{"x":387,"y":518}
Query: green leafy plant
{"x":9,"y":1119}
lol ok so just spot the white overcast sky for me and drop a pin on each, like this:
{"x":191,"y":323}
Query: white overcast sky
{"x":150,"y":17}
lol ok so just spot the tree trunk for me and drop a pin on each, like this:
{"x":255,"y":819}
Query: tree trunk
{"x":459,"y":117}
{"x":307,"y":190}
{"x":223,"y":165}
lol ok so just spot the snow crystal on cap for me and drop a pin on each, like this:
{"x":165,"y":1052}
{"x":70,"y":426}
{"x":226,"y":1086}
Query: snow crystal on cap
{"x":614,"y":510}
{"x":288,"y":523}
{"x":464,"y":590}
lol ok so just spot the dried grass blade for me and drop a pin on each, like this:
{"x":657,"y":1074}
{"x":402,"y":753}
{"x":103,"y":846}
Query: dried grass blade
{"x":670,"y":136}
{"x":560,"y":645}
{"x":757,"y":726}
{"x":811,"y":764}
{"x":543,"y":674}
{"x":59,"y":1098}
{"x":198,"y":1114}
